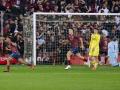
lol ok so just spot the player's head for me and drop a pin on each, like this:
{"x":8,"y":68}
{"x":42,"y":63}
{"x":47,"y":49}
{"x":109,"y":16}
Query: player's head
{"x":70,"y":31}
{"x":95,"y":30}
{"x":114,"y":39}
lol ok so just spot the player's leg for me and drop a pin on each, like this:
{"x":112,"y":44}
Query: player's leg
{"x":69,"y":53}
{"x":97,"y":62}
{"x":94,"y":53}
{"x":8,"y":64}
{"x":103,"y":58}
{"x":106,"y":58}
{"x":94,"y":62}
{"x":22,"y":61}
{"x":17,"y":56}
{"x":13,"y":55}
{"x":113,"y":60}
{"x":80,"y":56}
{"x":83,"y":58}
{"x":91,"y":56}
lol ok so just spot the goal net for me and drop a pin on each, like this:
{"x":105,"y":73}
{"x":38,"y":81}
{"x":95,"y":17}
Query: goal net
{"x":28,"y":39}
{"x":50,"y":29}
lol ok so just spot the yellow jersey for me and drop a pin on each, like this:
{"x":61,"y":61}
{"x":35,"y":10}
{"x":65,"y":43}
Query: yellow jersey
{"x":94,"y":45}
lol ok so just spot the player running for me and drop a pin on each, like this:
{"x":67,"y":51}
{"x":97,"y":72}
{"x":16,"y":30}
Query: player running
{"x":94,"y":49}
{"x":75,"y":43}
{"x":14,"y":54}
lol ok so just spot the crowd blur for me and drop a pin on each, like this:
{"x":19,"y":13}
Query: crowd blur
{"x":18,"y":7}
{"x":50,"y":36}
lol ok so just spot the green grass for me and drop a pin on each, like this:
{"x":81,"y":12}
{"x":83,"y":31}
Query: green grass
{"x":56,"y":78}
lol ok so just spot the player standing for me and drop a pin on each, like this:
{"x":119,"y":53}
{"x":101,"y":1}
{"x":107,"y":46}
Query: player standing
{"x":75,"y":43}
{"x":14,"y":54}
{"x":113,"y":51}
{"x":94,"y":49}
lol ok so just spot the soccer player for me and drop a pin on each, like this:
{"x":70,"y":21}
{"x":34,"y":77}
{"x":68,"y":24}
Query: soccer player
{"x":94,"y":49}
{"x":75,"y":42}
{"x":113,"y":51}
{"x":14,"y":54}
{"x":104,"y":49}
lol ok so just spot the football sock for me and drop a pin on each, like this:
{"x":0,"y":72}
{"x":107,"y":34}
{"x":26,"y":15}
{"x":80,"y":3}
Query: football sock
{"x":68,"y":62}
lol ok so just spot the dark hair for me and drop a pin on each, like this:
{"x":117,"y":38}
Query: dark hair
{"x":114,"y":39}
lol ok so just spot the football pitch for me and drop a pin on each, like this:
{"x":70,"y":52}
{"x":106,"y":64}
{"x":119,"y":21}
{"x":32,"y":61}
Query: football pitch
{"x":48,"y":77}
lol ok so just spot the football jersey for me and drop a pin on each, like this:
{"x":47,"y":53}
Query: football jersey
{"x":74,"y":41}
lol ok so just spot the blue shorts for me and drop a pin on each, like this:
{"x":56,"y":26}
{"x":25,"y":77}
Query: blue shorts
{"x":75,"y":50}
{"x":15,"y":55}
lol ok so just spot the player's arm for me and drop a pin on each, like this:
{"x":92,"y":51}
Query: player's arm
{"x":7,"y":48}
{"x":109,"y":49}
{"x":90,"y":43}
{"x":65,"y":41}
{"x":117,"y":47}
{"x":13,"y":44}
{"x":81,"y":43}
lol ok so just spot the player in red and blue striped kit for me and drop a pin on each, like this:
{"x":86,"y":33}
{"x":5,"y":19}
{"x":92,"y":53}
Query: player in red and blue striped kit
{"x":75,"y":43}
{"x":14,"y":54}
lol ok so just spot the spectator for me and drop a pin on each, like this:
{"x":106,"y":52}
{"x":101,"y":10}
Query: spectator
{"x":116,"y":6}
{"x":104,"y":9}
{"x":105,"y":32}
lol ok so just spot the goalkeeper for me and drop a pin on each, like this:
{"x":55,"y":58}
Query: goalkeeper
{"x":94,"y":49}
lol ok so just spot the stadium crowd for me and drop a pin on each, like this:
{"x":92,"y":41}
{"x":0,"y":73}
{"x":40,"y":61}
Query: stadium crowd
{"x":15,"y":10}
